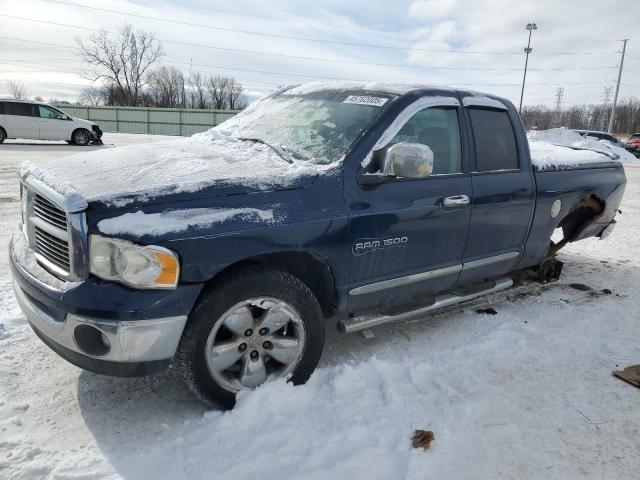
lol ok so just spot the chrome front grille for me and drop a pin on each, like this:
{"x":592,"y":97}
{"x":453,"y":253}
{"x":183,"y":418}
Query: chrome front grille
{"x":56,"y":229}
{"x":53,"y":249}
{"x":49,"y":213}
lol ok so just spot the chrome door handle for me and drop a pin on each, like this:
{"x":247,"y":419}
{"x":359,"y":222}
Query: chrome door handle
{"x":455,"y":201}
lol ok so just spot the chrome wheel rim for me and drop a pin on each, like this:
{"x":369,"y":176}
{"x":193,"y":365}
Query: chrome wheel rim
{"x":255,"y":340}
{"x":82,"y":137}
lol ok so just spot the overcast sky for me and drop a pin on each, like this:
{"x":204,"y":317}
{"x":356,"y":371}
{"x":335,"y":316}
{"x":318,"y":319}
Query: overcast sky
{"x":474,"y":44}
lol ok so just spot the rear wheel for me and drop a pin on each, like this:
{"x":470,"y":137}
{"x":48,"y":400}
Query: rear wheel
{"x":3,"y":135}
{"x":254,"y":326}
{"x":81,"y":137}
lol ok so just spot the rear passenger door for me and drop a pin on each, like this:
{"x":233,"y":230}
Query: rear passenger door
{"x":503,"y":194}
{"x":21,"y":120}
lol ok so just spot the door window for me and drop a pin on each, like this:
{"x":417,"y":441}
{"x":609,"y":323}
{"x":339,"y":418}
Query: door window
{"x":22,"y":109}
{"x":438,"y":128}
{"x":494,"y":140}
{"x":49,"y":112}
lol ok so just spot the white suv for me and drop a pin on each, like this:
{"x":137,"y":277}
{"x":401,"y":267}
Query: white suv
{"x":38,"y":121}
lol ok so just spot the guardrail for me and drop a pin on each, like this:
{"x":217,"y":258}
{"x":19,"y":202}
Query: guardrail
{"x":154,"y":121}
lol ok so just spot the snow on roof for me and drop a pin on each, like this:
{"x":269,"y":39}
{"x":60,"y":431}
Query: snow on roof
{"x":392,"y":88}
{"x":140,"y":223}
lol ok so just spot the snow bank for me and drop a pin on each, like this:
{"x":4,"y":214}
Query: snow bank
{"x":550,"y":148}
{"x":140,"y":223}
{"x":172,"y":166}
{"x":346,"y":422}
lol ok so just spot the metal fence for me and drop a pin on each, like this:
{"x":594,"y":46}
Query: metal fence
{"x":155,"y":121}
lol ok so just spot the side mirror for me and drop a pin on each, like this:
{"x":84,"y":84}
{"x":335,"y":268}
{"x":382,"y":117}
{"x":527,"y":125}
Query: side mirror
{"x":408,"y":160}
{"x":65,"y":117}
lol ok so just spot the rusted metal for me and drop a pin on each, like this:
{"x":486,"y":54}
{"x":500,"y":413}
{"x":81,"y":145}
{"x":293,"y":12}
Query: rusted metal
{"x":581,"y":215}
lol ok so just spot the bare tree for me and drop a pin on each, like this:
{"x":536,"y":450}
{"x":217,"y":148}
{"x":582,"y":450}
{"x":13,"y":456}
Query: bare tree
{"x":587,"y":117}
{"x":122,"y":60}
{"x":197,"y":91}
{"x":235,"y":95}
{"x":226,"y":93}
{"x":91,"y":96}
{"x":217,"y":87}
{"x":17,"y":90}
{"x":166,"y":87}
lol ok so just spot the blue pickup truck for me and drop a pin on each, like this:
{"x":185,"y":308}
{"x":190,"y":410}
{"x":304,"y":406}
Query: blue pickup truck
{"x":226,"y":253}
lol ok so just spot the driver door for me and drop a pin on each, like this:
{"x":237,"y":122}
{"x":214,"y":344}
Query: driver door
{"x":407,"y":235}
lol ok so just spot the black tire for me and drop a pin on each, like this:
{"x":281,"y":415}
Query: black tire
{"x":3,"y":135}
{"x":81,"y":137}
{"x":213,"y":303}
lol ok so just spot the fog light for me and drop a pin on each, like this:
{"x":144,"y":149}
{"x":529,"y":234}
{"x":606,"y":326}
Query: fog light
{"x":91,"y":340}
{"x":105,"y":340}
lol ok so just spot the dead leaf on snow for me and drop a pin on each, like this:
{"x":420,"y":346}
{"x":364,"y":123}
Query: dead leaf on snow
{"x":422,"y":439}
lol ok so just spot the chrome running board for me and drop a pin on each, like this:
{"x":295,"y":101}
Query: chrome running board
{"x":355,"y":324}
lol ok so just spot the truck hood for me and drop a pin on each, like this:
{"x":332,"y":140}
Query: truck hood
{"x":212,"y":163}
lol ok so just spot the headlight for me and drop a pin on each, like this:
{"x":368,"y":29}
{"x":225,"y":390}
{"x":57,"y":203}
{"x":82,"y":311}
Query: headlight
{"x":134,"y":265}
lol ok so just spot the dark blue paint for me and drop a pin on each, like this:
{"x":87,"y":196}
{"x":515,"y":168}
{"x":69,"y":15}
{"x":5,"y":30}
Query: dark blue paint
{"x":325,"y":216}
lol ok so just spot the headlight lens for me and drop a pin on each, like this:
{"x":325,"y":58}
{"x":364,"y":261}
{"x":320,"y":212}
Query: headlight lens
{"x":134,"y":265}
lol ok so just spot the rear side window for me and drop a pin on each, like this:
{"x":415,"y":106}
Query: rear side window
{"x":22,"y":109}
{"x":2,"y":104}
{"x":494,"y":139}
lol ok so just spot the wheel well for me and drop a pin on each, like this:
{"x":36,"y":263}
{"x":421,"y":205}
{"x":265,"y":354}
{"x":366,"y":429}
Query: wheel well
{"x":582,"y":214}
{"x":2,"y":128}
{"x":313,"y":271}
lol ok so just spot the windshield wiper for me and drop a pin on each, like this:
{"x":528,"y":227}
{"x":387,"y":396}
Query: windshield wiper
{"x":279,"y":152}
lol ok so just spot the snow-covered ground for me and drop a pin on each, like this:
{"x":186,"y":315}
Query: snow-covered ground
{"x":527,"y":393}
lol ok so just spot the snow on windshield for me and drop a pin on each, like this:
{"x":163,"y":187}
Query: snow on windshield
{"x":317,"y":127}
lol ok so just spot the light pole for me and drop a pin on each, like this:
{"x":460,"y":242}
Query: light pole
{"x":531,"y":27}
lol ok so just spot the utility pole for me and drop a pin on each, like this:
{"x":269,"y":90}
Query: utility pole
{"x":615,"y":96}
{"x":531,"y":27}
{"x":602,"y":117}
{"x":558,"y":114}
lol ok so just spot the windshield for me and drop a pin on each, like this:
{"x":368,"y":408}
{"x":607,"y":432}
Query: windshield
{"x":317,"y":127}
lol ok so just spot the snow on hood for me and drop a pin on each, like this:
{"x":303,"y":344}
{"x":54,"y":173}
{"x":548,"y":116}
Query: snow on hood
{"x":136,"y":172}
{"x":140,"y":223}
{"x":560,"y":147}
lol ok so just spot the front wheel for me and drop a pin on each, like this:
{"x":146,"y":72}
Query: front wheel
{"x":254,"y":326}
{"x":81,"y":137}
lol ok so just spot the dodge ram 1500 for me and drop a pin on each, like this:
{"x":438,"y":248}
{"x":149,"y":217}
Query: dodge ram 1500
{"x":226,"y":252}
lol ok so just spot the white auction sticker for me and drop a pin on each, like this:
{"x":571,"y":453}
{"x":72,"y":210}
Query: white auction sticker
{"x":366,"y":100}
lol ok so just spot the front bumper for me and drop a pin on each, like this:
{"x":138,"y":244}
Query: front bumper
{"x":108,"y":344}
{"x":96,"y":134}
